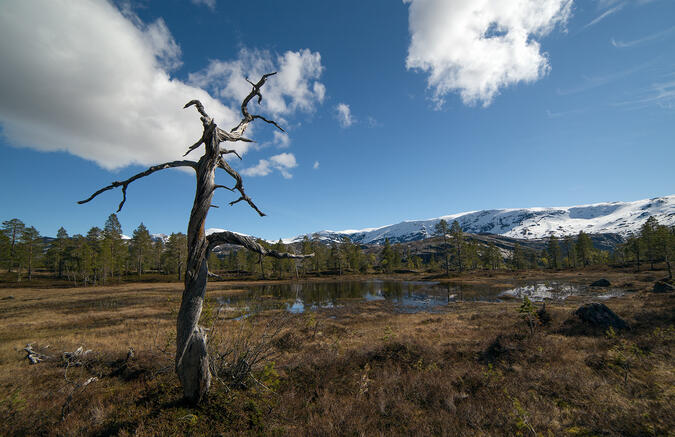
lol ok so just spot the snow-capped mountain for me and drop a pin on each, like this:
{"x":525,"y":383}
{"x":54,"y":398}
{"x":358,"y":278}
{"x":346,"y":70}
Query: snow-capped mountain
{"x":157,"y":237}
{"x":620,"y":218}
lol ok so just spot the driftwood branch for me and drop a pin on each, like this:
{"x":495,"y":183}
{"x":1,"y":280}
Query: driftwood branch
{"x":124,"y":184}
{"x":250,"y":243}
{"x":34,"y":356}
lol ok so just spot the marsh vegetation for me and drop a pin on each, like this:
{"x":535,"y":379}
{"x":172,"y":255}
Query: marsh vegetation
{"x":466,"y":368}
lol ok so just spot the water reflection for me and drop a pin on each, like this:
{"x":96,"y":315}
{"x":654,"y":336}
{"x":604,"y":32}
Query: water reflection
{"x":406,"y":296}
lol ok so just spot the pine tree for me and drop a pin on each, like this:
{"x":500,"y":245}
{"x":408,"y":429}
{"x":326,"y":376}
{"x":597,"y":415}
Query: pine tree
{"x":114,"y":255}
{"x":81,"y":258}
{"x":458,"y":240}
{"x":442,"y":229}
{"x":13,"y":229}
{"x":387,"y":257}
{"x":571,"y":252}
{"x":584,"y":248}
{"x":649,"y":236}
{"x":492,"y":257}
{"x":634,"y":247}
{"x":554,"y":254}
{"x":4,"y":249}
{"x":176,"y":253}
{"x":31,"y":245}
{"x":665,"y":237}
{"x":95,"y":242}
{"x":59,"y":246}
{"x":519,"y":261}
{"x":141,"y":248}
{"x":471,"y":255}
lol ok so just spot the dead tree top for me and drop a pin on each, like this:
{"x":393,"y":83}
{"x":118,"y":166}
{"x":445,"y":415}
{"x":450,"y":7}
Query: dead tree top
{"x":211,"y":133}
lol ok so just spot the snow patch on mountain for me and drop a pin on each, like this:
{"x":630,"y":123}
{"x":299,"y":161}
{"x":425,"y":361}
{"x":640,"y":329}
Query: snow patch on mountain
{"x":621,"y":218}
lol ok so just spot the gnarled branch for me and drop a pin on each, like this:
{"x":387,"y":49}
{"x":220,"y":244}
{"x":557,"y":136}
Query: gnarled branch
{"x":238,"y":186}
{"x":226,"y":151}
{"x":124,"y":184}
{"x":247,"y":117}
{"x":250,"y":243}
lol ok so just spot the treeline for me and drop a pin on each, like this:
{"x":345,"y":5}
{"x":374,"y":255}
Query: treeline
{"x":654,"y":243}
{"x":103,"y":255}
{"x":99,"y":257}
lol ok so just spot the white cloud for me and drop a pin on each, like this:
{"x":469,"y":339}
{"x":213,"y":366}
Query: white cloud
{"x":82,"y":77}
{"x":211,"y":4}
{"x":294,"y":88}
{"x":316,"y":165}
{"x":163,"y":45}
{"x":344,"y":115}
{"x":605,"y":14}
{"x":282,"y":162}
{"x":281,"y":140}
{"x":639,"y":41}
{"x":660,"y":94}
{"x":477,"y":47}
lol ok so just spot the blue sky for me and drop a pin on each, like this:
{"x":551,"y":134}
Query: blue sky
{"x":394,"y":110}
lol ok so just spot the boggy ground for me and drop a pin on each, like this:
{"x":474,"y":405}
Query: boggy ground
{"x":471,"y":369}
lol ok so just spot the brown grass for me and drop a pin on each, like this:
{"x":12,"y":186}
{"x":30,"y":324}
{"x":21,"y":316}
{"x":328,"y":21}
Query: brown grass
{"x":472,"y":369}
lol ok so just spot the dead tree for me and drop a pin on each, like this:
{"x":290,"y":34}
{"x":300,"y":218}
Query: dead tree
{"x":192,"y":361}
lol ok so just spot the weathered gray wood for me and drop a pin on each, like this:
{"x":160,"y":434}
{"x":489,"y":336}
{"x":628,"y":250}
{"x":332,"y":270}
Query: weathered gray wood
{"x":192,"y":361}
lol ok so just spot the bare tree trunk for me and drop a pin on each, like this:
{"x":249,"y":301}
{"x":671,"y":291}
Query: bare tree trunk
{"x":192,"y":361}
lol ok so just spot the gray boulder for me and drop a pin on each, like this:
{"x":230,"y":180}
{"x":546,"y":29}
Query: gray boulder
{"x":598,"y":315}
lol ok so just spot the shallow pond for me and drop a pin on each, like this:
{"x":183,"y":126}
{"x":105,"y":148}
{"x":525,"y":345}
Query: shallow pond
{"x":406,"y":296}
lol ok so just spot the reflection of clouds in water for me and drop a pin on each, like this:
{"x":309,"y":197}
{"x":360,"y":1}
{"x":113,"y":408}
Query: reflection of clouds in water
{"x":374,"y":296}
{"x":297,"y":307}
{"x":610,"y":294}
{"x":323,"y":305}
{"x":539,"y":292}
{"x":406,"y":296}
{"x":536,"y":292}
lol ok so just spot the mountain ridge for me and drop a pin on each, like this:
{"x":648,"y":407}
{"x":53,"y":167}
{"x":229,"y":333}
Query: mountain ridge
{"x":622,"y":218}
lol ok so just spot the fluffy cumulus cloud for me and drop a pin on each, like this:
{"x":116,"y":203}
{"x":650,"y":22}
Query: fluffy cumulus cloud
{"x":477,"y":47}
{"x":94,"y":80}
{"x":294,"y":88}
{"x":282,"y":162}
{"x":91,"y":81}
{"x":344,"y":115}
